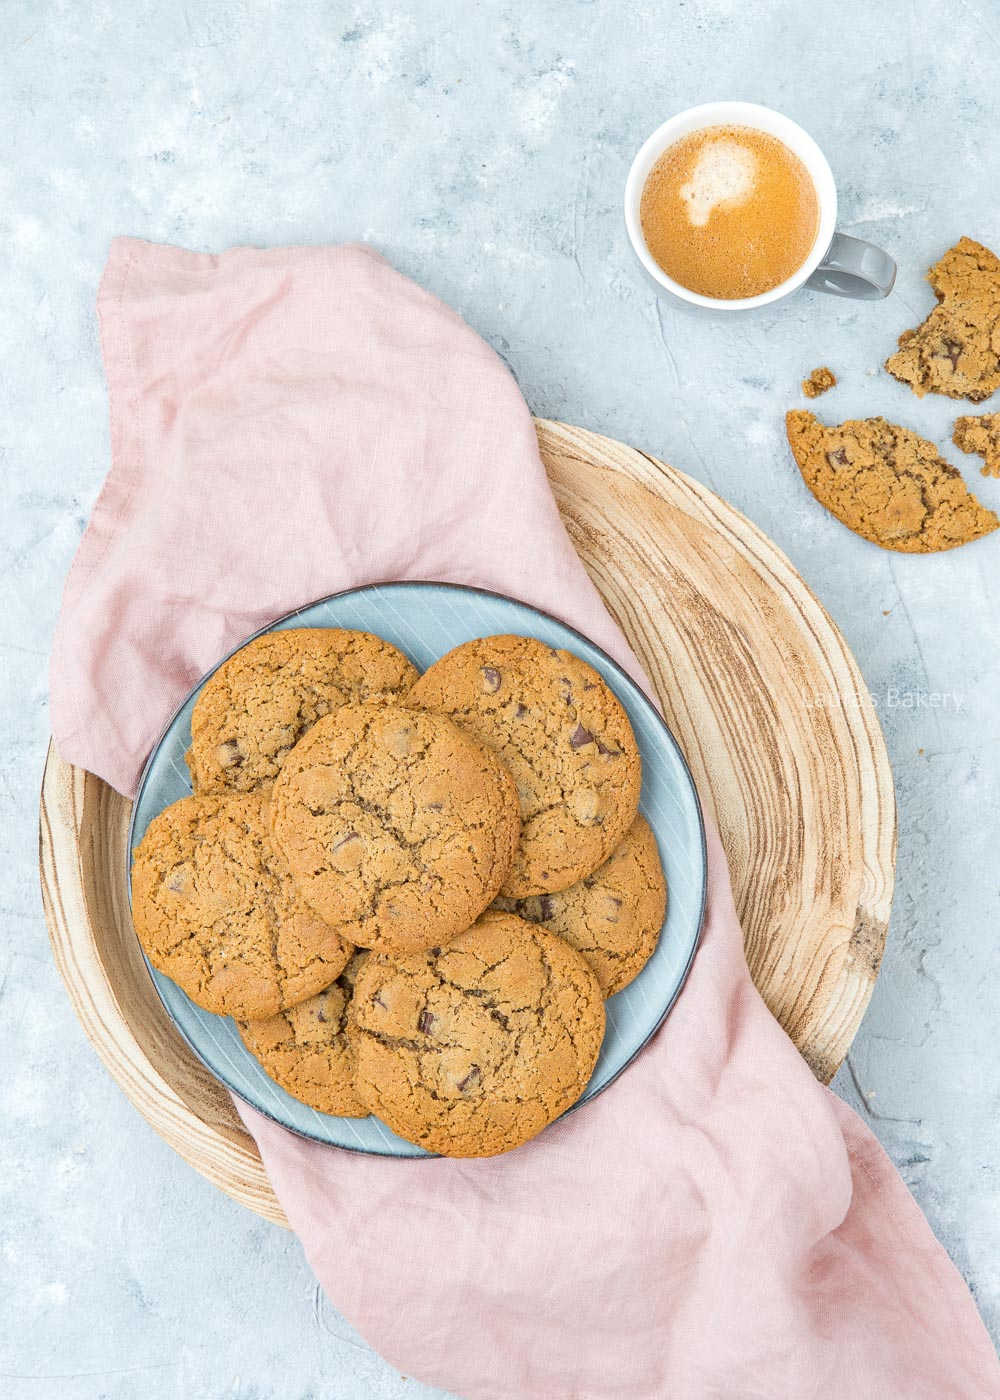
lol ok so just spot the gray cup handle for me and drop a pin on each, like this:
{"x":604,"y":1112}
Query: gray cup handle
{"x":854,"y":268}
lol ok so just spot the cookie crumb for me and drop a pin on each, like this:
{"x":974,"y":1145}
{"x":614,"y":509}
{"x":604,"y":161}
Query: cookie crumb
{"x":980,"y":435}
{"x":818,"y":382}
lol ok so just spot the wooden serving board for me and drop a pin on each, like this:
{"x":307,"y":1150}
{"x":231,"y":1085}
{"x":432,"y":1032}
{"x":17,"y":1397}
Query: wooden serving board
{"x":733,"y":641}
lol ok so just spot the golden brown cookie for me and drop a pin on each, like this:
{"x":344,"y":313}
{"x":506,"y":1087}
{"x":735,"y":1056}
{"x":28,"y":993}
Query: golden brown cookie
{"x":887,"y":484}
{"x":305,"y":1049}
{"x":956,"y":351}
{"x":980,"y":435}
{"x":257,"y":706}
{"x":216,"y":909}
{"x":399,"y":827}
{"x":818,"y":382}
{"x":565,"y":737}
{"x":614,"y":916}
{"x":472,"y":1049}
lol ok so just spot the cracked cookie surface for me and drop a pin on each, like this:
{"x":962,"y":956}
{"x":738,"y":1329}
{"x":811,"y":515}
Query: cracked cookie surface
{"x":980,"y":435}
{"x":612,"y":917}
{"x":564,"y":736}
{"x":306,"y":1050}
{"x":472,"y":1049}
{"x":216,"y":909}
{"x":265,"y":698}
{"x":399,"y":827}
{"x":887,"y":484}
{"x":956,"y":351}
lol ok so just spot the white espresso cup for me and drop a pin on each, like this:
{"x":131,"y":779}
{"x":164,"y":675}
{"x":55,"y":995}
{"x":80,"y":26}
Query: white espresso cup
{"x":836,"y":263}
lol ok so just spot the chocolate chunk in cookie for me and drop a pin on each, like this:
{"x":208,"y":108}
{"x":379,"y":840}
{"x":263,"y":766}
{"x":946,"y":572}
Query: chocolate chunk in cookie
{"x":957,"y":349}
{"x":565,"y":737}
{"x":982,"y":436}
{"x":887,"y":484}
{"x":472,"y":1049}
{"x":399,"y":827}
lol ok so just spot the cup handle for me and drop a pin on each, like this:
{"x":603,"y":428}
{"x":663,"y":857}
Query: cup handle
{"x":854,"y":268}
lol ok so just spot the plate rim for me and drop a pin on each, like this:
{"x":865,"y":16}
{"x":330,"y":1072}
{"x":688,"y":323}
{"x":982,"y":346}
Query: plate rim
{"x":421,"y":1154}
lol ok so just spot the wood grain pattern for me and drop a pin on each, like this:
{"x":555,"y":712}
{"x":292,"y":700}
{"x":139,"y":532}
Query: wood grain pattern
{"x":737,"y":648}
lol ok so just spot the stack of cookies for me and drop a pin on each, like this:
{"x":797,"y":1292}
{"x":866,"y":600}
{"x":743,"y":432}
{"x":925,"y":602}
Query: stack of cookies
{"x":413,"y":893}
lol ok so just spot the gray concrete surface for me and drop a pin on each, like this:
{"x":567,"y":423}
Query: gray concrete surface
{"x":483,"y":149}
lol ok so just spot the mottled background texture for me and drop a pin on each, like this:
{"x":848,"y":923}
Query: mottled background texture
{"x":482,"y":147}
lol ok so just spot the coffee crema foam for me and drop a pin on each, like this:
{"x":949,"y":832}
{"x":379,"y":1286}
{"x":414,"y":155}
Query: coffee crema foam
{"x":724,"y":173}
{"x":729,"y":212}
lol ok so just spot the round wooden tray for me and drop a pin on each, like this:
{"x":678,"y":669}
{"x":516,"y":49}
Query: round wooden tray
{"x":736,"y":646}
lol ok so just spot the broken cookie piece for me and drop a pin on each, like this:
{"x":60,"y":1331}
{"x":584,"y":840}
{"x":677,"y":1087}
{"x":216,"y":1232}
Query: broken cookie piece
{"x":982,"y":436}
{"x":818,"y":382}
{"x":886,"y":484}
{"x":957,"y":349}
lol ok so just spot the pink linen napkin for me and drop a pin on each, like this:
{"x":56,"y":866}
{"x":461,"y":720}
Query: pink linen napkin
{"x":290,"y":422}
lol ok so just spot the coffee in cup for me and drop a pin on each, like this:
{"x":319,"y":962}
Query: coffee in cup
{"x":729,"y":212}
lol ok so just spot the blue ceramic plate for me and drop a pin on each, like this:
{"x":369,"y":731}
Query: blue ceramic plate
{"x":425,"y":620}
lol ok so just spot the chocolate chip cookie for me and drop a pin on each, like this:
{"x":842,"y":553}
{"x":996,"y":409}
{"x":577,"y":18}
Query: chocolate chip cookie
{"x":887,"y":484}
{"x":982,"y":436}
{"x":472,"y":1049}
{"x":956,"y":351}
{"x":398,"y":827}
{"x":563,"y":734}
{"x":614,"y":916}
{"x":216,"y":909}
{"x":257,"y":706}
{"x":305,"y":1049}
